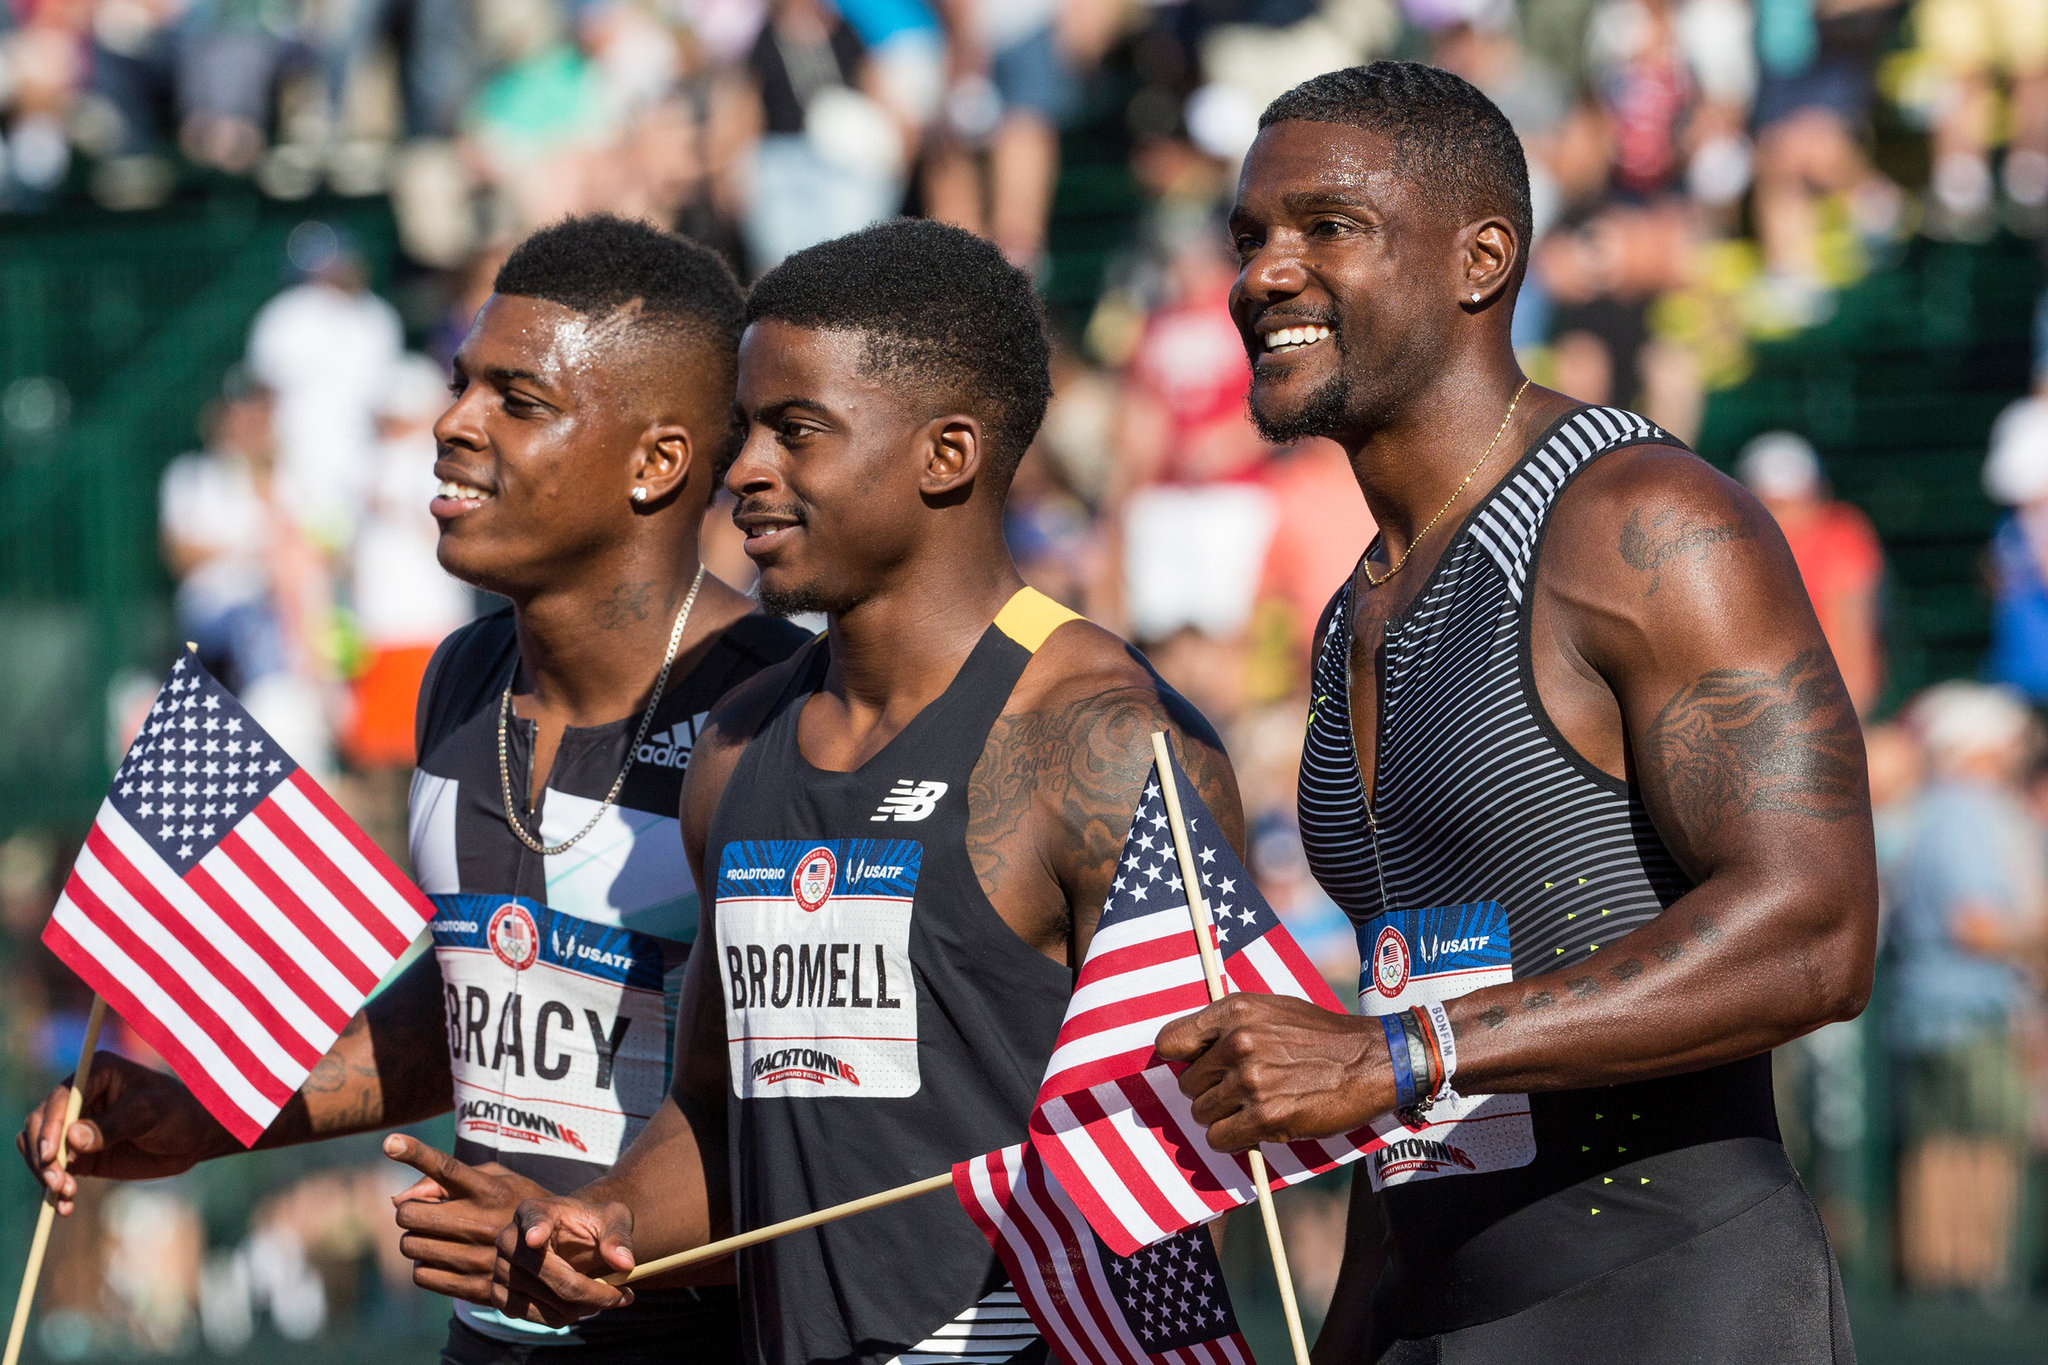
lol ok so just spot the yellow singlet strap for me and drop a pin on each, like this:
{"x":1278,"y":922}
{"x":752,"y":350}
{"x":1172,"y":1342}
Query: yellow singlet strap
{"x":1030,"y":616}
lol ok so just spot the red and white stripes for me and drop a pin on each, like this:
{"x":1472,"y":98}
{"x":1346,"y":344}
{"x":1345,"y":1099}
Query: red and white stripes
{"x":242,"y":972}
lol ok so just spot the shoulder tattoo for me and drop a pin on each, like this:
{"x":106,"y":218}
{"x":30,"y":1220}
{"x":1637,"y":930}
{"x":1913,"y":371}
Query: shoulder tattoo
{"x":1738,"y":741}
{"x":1670,"y":536}
{"x":1081,"y":765}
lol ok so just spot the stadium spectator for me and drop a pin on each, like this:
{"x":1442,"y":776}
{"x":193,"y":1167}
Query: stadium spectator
{"x":324,"y":347}
{"x":1979,"y":45}
{"x":1971,"y":917}
{"x":1836,"y":547}
{"x":1011,"y":86}
{"x":251,"y":594}
{"x":829,"y":156}
{"x":2016,"y":476}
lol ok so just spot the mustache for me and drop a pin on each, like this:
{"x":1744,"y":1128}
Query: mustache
{"x":1296,"y":314}
{"x":751,"y":507}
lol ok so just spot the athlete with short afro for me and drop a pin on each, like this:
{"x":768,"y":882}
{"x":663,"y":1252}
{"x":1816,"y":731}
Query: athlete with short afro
{"x":911,"y":826}
{"x":591,"y":418}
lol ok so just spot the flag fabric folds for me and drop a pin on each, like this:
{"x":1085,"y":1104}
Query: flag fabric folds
{"x":1166,"y":1305}
{"x":226,"y":907}
{"x":1110,"y":1121}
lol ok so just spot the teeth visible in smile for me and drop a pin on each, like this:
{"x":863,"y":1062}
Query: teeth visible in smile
{"x":451,"y":489}
{"x":1288,"y":338}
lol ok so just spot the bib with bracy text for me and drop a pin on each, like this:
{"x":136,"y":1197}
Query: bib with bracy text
{"x":1409,"y":957}
{"x":558,"y":1029}
{"x":814,"y":950}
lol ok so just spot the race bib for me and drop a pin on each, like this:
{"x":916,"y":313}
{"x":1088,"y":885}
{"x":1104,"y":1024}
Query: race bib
{"x":558,"y":1029}
{"x":814,"y":949}
{"x":1408,"y":957}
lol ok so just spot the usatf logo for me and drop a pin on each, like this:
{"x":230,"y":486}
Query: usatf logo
{"x":816,"y":871}
{"x":1420,"y":1154}
{"x":909,"y":800}
{"x":1390,"y":962}
{"x":1434,"y":948}
{"x":514,"y":937}
{"x":802,"y":1064}
{"x":671,"y":748}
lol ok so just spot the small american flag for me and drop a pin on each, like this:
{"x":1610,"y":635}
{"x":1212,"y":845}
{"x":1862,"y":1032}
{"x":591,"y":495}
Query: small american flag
{"x":1166,"y":1305}
{"x":225,"y":906}
{"x":1110,"y":1120}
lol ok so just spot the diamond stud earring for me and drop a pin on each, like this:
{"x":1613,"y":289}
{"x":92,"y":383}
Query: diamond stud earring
{"x":1475,"y":296}
{"x":640,"y":494}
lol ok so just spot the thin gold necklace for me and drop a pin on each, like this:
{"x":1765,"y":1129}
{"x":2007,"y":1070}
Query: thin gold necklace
{"x":675,"y":640}
{"x":1456,"y":493}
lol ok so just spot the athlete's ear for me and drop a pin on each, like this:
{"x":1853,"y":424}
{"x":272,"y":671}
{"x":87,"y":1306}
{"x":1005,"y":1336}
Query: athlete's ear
{"x":662,"y":465}
{"x":952,"y":457}
{"x":1487,"y":252}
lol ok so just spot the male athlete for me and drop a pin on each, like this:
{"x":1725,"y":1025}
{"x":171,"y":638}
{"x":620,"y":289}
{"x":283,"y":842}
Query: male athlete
{"x":592,"y":416}
{"x":1579,"y":765}
{"x":911,"y":827}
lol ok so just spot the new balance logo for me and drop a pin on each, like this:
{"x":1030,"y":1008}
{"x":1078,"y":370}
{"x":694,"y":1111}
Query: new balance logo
{"x":671,"y":748}
{"x":909,"y":800}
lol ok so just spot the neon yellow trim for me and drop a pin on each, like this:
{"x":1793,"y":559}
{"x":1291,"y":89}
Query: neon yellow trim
{"x":1030,"y":616}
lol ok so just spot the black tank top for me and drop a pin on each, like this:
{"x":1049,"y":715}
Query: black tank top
{"x":1494,"y":852}
{"x":883,"y":1022}
{"x":561,"y":973}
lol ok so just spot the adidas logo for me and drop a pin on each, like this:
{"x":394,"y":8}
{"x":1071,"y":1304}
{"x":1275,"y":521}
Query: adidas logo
{"x":671,"y":748}
{"x":909,"y":800}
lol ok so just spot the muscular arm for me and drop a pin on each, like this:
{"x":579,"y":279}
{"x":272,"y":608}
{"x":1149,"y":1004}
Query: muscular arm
{"x":1702,"y":674}
{"x":389,"y":1067}
{"x":1051,"y":799}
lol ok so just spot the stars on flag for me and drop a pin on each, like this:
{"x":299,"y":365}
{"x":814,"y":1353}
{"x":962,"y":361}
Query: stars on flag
{"x":221,"y":777}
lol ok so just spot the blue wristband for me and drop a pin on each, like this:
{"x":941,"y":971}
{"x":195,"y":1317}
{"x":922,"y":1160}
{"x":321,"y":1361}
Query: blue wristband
{"x":1404,"y":1070}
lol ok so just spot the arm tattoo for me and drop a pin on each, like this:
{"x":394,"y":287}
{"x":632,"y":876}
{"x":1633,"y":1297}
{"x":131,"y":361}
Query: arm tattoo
{"x":1583,"y":986}
{"x":1085,"y":762}
{"x":1627,"y":970}
{"x":1737,"y":741}
{"x":1646,"y":549}
{"x":1669,"y":951}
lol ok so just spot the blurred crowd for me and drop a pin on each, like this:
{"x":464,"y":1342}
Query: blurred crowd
{"x":1707,"y":173}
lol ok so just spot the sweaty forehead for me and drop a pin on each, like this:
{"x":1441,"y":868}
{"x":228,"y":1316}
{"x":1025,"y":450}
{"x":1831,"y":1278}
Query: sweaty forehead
{"x":554,"y":344}
{"x":1296,"y":165}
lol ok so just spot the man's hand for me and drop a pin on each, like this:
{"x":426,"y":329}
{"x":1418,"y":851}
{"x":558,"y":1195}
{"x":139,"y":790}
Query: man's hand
{"x":452,"y":1216}
{"x":551,"y":1254}
{"x":1271,"y":1068}
{"x":136,"y":1124}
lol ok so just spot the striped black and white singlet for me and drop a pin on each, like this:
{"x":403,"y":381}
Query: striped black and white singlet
{"x":1494,"y":852}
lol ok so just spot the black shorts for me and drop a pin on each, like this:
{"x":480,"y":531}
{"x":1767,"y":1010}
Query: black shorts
{"x":1762,"y":1286}
{"x":720,"y":1345}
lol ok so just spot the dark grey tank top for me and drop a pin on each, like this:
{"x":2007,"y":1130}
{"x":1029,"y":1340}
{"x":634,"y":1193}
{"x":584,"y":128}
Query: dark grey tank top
{"x":883,"y":1022}
{"x":1493,"y":852}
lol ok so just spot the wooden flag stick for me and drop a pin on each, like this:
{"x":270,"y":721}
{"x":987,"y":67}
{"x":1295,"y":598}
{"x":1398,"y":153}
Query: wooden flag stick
{"x":712,"y":1250}
{"x":1198,"y":910}
{"x":48,"y":1215}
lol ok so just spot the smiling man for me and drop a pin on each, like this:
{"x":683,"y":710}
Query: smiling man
{"x":1581,"y":771}
{"x":911,"y":826}
{"x":590,"y":422}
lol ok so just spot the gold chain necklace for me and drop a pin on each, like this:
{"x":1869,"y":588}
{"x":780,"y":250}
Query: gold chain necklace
{"x":1456,"y":493}
{"x":675,"y":640}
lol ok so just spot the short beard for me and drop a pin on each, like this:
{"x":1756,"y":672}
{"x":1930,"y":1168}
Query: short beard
{"x":797,"y":601}
{"x":1326,"y":410}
